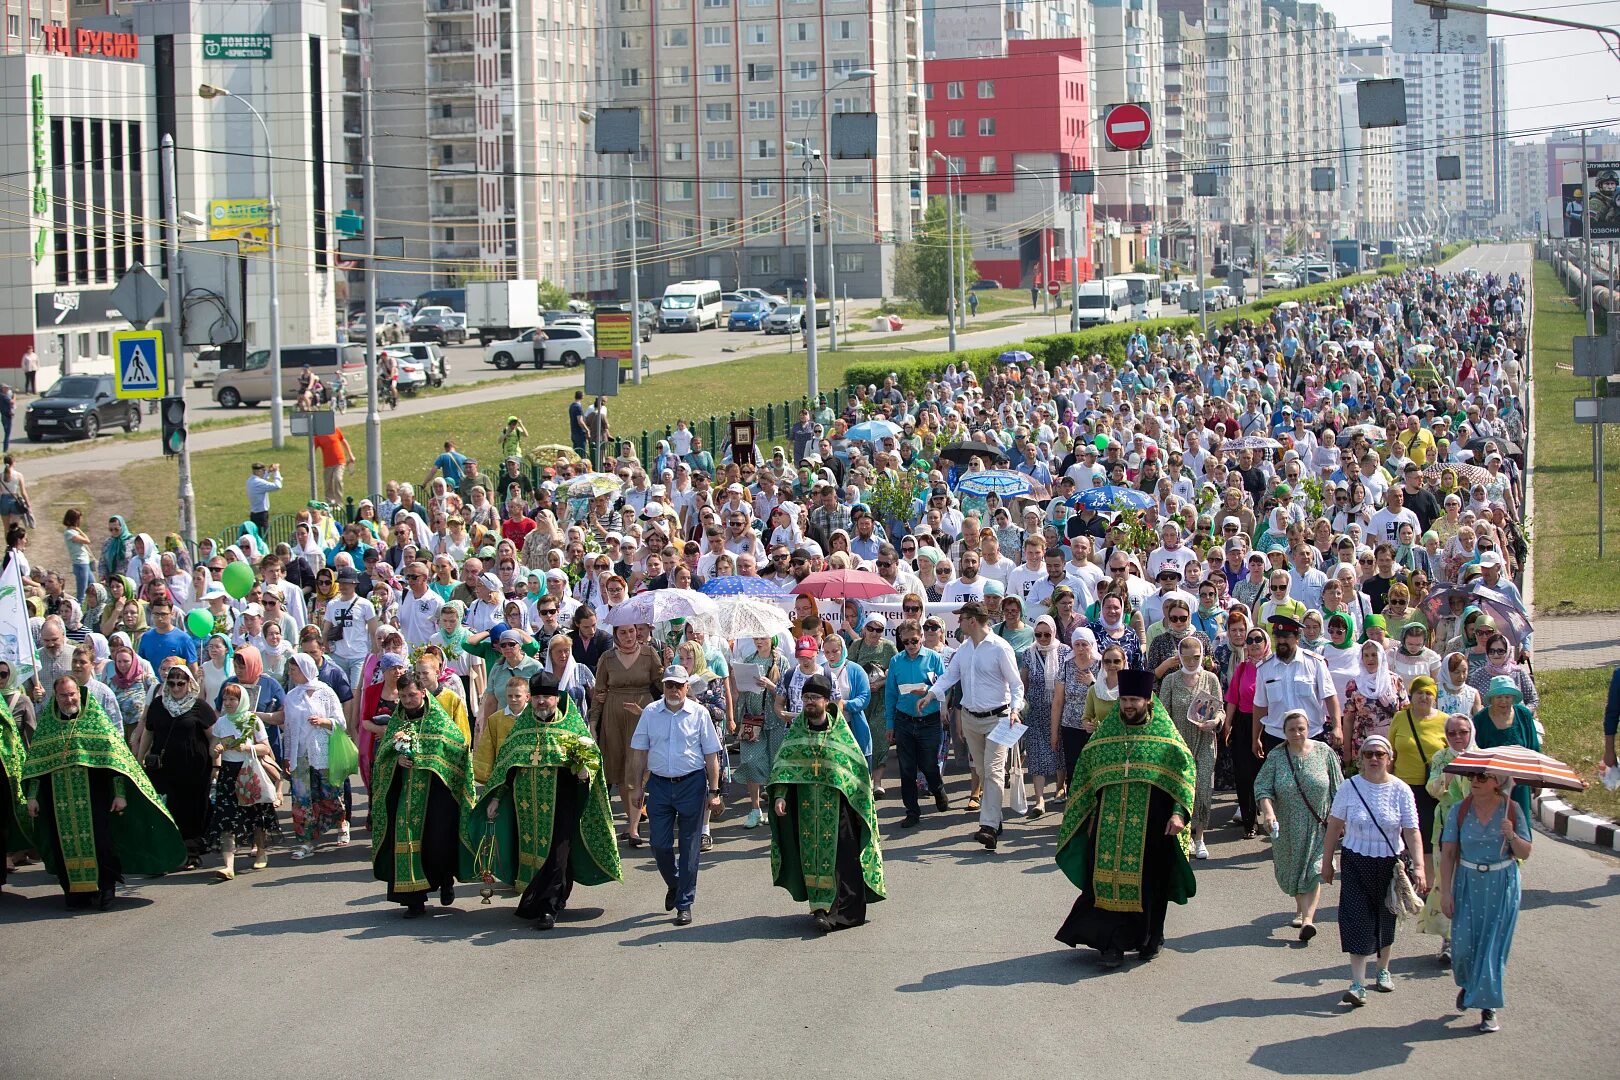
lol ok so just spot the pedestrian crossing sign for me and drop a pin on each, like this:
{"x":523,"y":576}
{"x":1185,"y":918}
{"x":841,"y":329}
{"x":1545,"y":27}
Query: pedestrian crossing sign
{"x":138,"y":364}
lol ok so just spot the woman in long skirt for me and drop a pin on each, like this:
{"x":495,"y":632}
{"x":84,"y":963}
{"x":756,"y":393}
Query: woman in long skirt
{"x":237,"y":734}
{"x":1294,"y":791}
{"x":1376,"y":818}
{"x":1485,"y":839}
{"x":760,"y":727}
{"x":1040,"y":665}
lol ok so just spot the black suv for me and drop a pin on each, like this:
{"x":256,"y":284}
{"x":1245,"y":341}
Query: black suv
{"x":78,"y":407}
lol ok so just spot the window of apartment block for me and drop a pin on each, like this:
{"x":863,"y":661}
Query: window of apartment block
{"x":678,"y":190}
{"x":677,"y":151}
{"x":987,"y":164}
{"x":800,"y":31}
{"x":719,"y":227}
{"x":761,"y":73}
{"x":680,"y":114}
{"x":764,"y":149}
{"x":717,"y":35}
{"x":14,"y":25}
{"x":762,"y":109}
{"x":720,"y":149}
{"x":718,"y":112}
{"x":721,"y":189}
{"x":762,"y":265}
{"x":843,"y":30}
{"x":846,"y":104}
{"x":991,"y":204}
{"x":765,"y":223}
{"x":953,"y":90}
{"x":987,"y":88}
{"x":803,"y":70}
{"x":929,"y":126}
{"x":677,"y":37}
{"x":629,"y":76}
{"x":928,"y":91}
{"x":720,"y":74}
{"x":846,"y":65}
{"x":851,"y":262}
{"x":987,"y":125}
{"x":801,"y":109}
{"x":678,"y":75}
{"x":716,"y":3}
{"x":758,"y":34}
{"x":850,"y":185}
{"x":956,"y":128}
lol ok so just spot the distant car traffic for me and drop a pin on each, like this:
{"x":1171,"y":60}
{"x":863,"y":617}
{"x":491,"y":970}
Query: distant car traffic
{"x":984,"y":283}
{"x":770,"y":300}
{"x":787,"y":319}
{"x":440,"y":325}
{"x":563,"y":344}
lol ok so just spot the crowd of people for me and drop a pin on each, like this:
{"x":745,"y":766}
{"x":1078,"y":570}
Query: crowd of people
{"x":1277,"y":562}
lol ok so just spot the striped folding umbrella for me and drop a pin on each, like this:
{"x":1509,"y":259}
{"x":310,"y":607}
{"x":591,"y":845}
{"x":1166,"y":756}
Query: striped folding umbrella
{"x":1522,"y":764}
{"x":1003,"y":482}
{"x":737,"y":585}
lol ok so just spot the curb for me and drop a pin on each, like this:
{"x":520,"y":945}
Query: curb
{"x":1562,"y":819}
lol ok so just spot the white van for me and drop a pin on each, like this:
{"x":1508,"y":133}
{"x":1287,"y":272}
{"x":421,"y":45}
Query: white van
{"x":691,"y":305}
{"x":1099,"y":302}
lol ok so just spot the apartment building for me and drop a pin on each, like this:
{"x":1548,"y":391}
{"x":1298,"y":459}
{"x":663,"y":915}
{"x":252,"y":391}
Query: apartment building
{"x":954,"y":29}
{"x":1456,"y":105}
{"x":1131,"y":188}
{"x":1185,"y":129}
{"x":724,"y":86}
{"x":1013,"y":128}
{"x":25,"y":22}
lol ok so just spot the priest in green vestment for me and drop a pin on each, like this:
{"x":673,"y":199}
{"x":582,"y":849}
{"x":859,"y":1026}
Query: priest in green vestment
{"x":95,"y":814}
{"x":1124,"y":841}
{"x":544,"y":824}
{"x":15,"y":835}
{"x":421,"y":785}
{"x":824,"y":838}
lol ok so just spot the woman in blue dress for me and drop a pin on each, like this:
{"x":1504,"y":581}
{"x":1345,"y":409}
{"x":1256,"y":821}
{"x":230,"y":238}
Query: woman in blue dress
{"x":1485,"y":839}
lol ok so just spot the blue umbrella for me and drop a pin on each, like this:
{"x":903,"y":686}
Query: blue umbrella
{"x":736,"y":585}
{"x":872,"y":431}
{"x":1108,"y":496}
{"x":1015,"y":356}
{"x":1003,"y":482}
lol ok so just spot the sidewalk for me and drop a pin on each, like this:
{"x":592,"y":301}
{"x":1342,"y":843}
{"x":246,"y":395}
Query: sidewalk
{"x":1577,"y":641}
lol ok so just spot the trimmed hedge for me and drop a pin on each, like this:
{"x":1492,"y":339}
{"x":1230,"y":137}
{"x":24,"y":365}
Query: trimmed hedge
{"x":1108,"y":340}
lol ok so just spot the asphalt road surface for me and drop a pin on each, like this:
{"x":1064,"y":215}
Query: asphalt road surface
{"x":304,"y":969}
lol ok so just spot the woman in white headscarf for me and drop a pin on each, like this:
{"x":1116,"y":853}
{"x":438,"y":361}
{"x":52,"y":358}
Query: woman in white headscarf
{"x":1040,"y":665}
{"x":1371,"y":700}
{"x":573,"y":678}
{"x":312,"y":711}
{"x":239,"y":735}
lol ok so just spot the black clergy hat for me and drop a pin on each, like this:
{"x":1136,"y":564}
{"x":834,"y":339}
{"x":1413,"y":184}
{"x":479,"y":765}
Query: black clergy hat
{"x":1134,"y":682}
{"x":543,"y":684}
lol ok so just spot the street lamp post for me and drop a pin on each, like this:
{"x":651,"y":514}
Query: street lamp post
{"x":208,"y":91}
{"x":1048,"y":265}
{"x":811,"y":360}
{"x":950,"y":247}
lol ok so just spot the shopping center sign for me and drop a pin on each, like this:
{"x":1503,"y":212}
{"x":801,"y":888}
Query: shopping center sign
{"x":77,"y":41}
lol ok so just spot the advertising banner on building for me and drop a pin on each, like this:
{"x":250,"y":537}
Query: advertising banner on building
{"x":1573,"y":205}
{"x":1602,"y":187}
{"x":246,"y":221}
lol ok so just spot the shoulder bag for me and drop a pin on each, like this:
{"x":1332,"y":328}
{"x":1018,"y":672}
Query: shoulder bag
{"x":1402,"y":899}
{"x":1293,"y":770}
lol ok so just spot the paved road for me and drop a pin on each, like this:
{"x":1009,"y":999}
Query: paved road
{"x":957,"y":976}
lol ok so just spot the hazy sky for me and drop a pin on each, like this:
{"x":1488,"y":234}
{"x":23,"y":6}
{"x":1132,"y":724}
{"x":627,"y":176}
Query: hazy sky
{"x":1552,"y":74}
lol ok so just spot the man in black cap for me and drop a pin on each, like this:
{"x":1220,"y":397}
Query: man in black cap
{"x":1292,"y":679}
{"x":824,"y":839}
{"x":1123,"y":841}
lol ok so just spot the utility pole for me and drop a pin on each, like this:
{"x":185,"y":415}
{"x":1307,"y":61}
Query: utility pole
{"x":1591,"y":313}
{"x":177,"y":348}
{"x":950,"y":250}
{"x":1198,"y":246}
{"x":635,"y":279}
{"x":374,"y":469}
{"x":832,"y":270}
{"x":813,"y":375}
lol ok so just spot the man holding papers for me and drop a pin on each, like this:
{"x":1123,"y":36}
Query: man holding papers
{"x":1124,"y":837}
{"x":992,"y":691}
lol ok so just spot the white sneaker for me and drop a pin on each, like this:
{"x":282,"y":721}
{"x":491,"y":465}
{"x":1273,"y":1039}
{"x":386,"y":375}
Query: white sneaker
{"x":752,"y":820}
{"x":302,"y":851}
{"x":1200,"y":851}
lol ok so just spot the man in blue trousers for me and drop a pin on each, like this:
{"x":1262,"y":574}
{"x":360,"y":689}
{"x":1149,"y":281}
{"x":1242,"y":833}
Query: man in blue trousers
{"x":676,"y":747}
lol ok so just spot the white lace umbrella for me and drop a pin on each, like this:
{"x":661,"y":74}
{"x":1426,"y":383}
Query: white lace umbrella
{"x":747,"y":617}
{"x":662,"y":605}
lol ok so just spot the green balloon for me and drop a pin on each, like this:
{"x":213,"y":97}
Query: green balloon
{"x":237,"y":579}
{"x":200,"y":623}
{"x":1101,"y":442}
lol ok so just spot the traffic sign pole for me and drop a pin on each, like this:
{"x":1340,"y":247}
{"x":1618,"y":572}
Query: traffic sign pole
{"x":177,"y":354}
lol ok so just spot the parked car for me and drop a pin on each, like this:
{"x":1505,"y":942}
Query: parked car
{"x":440,"y":325}
{"x":204,"y":369}
{"x":770,"y":300}
{"x":785,"y":286}
{"x":1280,"y":279}
{"x":390,"y":328}
{"x":984,"y":283}
{"x":729,"y":302}
{"x":787,"y":319}
{"x":565,"y":345}
{"x":749,"y":315}
{"x":429,"y":313}
{"x":410,"y":372}
{"x":428,"y":356}
{"x":78,"y":407}
{"x":249,"y":384}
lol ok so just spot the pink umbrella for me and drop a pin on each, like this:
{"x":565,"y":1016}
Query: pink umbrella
{"x":844,"y":585}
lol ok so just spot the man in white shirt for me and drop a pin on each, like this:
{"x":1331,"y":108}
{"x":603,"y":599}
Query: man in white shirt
{"x":350,"y":623}
{"x":1386,"y":523}
{"x":968,"y":585}
{"x":419,"y":607}
{"x":992,"y":691}
{"x":1084,"y":574}
{"x":993,"y":565}
{"x":1172,"y":550}
{"x":1292,"y":679}
{"x":1023,"y":580}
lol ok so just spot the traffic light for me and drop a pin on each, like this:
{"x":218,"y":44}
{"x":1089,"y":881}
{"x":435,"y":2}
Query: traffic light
{"x":174,"y":424}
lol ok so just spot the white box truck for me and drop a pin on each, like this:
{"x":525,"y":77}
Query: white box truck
{"x":501,"y":310}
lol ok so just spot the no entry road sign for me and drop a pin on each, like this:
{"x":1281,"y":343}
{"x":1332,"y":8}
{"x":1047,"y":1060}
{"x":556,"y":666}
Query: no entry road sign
{"x":1128,"y":127}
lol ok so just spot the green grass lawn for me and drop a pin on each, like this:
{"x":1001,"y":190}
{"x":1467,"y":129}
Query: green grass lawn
{"x":1568,"y":579}
{"x":1572,"y":703}
{"x":411,"y":442}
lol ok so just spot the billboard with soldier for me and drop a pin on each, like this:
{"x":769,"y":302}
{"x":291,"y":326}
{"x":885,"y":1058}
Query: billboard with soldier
{"x":1603,"y":198}
{"x":1571,"y":209}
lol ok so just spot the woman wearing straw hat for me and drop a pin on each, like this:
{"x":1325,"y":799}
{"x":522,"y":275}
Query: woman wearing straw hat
{"x":1506,"y":722}
{"x":1485,"y":838}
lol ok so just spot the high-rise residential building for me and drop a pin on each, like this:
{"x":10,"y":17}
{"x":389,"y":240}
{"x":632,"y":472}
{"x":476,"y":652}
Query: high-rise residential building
{"x":27,"y":21}
{"x":482,"y":158}
{"x":724,"y":86}
{"x":1185,"y":127}
{"x":954,"y":28}
{"x":1527,"y":196}
{"x":1129,"y":67}
{"x":1013,"y":128}
{"x":1456,"y":106}
{"x":1370,"y":170}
